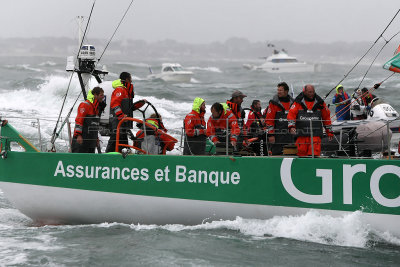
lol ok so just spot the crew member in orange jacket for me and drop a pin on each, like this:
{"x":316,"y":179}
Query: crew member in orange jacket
{"x":87,"y":122}
{"x":235,"y":105}
{"x":309,"y":106}
{"x":121,"y":107}
{"x":276,"y":119}
{"x":195,"y":129}
{"x":217,"y":125}
{"x":161,"y":140}
{"x":255,"y":129}
{"x":255,"y":120}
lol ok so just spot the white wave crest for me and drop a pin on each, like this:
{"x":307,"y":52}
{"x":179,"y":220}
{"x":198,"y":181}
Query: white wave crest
{"x":48,"y":63}
{"x":193,"y":80}
{"x":347,"y":230}
{"x":23,"y":67}
{"x":211,"y":69}
{"x":144,"y":65}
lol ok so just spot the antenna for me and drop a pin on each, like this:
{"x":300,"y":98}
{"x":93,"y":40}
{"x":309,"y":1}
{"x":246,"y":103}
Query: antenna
{"x":79,"y":20}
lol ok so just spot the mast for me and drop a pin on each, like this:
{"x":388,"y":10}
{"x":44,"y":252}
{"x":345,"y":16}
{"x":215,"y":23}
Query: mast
{"x":86,"y":62}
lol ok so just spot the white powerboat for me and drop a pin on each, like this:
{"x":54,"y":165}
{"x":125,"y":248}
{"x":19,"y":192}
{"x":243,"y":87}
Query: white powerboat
{"x":172,"y":72}
{"x":280,"y":62}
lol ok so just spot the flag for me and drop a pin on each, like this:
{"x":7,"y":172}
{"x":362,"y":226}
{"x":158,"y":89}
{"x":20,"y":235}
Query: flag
{"x":394,"y":63}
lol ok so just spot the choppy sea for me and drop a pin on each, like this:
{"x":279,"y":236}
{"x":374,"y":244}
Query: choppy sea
{"x":33,"y":88}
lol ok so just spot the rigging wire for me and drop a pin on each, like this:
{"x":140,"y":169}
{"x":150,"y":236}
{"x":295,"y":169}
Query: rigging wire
{"x":386,"y":42}
{"x":356,"y":99}
{"x":76,"y":100}
{"x":55,"y":134}
{"x":86,"y":28}
{"x":347,"y":74}
{"x":126,"y":11}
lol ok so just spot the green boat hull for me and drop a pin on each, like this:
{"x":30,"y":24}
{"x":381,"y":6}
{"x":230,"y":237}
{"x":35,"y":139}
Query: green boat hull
{"x":91,"y":188}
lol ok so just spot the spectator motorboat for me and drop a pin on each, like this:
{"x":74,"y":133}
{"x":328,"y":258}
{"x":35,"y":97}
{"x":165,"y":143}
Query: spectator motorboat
{"x":172,"y":72}
{"x":281,"y":62}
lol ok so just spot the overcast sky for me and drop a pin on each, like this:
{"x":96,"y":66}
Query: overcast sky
{"x":205,"y":21}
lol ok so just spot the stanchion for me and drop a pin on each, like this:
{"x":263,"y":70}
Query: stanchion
{"x":227,"y":137}
{"x":40,"y":136}
{"x":388,"y":140}
{"x":312,"y":139}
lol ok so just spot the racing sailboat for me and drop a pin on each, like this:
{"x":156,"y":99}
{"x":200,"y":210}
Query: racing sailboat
{"x":67,"y":188}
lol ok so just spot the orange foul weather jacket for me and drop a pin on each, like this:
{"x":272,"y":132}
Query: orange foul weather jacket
{"x":215,"y":126}
{"x":300,"y":114}
{"x":87,"y":124}
{"x":120,"y":93}
{"x":166,"y":141}
{"x":195,"y":130}
{"x":86,"y":110}
{"x":254,"y":122}
{"x":276,"y":110}
{"x":195,"y":124}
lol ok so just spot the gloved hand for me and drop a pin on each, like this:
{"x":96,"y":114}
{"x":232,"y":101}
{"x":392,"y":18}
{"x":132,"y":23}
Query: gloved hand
{"x":356,"y":107}
{"x":102,"y":106}
{"x":376,"y":86}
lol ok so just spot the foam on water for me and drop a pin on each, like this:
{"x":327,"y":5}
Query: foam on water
{"x":18,"y":239}
{"x":45,"y":101}
{"x":193,"y":80}
{"x":226,"y":86}
{"x":347,"y":230}
{"x":15,"y":250}
{"x":211,"y":69}
{"x":171,"y":112}
{"x":12,"y":218}
{"x":47,"y":63}
{"x":144,"y":65}
{"x":23,"y":67}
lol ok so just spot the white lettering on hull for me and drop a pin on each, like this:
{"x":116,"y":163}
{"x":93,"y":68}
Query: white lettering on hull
{"x":326,"y":175}
{"x":374,"y":184}
{"x":348,"y":174}
{"x":182,"y":174}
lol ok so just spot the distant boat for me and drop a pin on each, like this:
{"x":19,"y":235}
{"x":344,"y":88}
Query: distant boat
{"x":280,"y":62}
{"x":172,"y":72}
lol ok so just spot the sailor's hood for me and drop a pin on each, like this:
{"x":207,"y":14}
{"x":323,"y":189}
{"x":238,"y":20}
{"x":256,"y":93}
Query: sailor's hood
{"x":90,"y":96}
{"x":117,"y":83}
{"x":337,"y":88}
{"x":197,"y":104}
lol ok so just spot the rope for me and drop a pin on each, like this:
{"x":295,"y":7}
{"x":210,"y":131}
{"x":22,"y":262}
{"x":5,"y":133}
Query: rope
{"x":347,"y":74}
